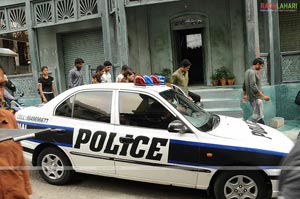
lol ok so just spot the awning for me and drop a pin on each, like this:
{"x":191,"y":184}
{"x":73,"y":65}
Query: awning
{"x":7,"y":52}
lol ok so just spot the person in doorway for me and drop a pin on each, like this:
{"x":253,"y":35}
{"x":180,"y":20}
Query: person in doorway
{"x":14,"y":177}
{"x":46,"y":86}
{"x":181,"y":78}
{"x":121,"y":75}
{"x":106,"y":77}
{"x":75,"y":75}
{"x":252,"y":91}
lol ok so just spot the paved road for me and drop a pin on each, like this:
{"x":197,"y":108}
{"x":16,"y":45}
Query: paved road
{"x":97,"y":187}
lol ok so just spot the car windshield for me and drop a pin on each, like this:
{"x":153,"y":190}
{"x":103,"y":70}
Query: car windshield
{"x":199,"y":118}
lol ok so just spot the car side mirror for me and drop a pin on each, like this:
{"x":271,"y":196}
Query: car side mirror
{"x":177,"y":126}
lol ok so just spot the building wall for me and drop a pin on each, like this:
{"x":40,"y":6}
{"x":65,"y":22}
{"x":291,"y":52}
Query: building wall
{"x":237,"y":22}
{"x":286,"y":107}
{"x":50,"y":46}
{"x":150,"y":35}
{"x":138,"y":40}
{"x":11,"y":2}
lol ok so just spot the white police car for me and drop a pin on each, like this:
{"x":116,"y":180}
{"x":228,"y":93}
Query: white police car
{"x":152,"y":134}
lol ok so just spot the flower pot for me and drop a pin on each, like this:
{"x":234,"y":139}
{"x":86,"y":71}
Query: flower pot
{"x":230,"y":82}
{"x":215,"y":82}
{"x":223,"y":82}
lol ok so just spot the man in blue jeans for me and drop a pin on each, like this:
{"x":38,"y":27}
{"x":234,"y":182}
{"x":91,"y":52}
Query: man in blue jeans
{"x":252,"y":91}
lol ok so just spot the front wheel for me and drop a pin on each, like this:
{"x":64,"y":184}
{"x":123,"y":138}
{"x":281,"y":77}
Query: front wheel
{"x":55,"y":166}
{"x":240,"y":185}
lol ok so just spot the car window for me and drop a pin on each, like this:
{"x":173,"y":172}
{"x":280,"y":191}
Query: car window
{"x":143,"y":111}
{"x":94,"y":106}
{"x":193,"y":113}
{"x":89,"y":105}
{"x":65,"y":109}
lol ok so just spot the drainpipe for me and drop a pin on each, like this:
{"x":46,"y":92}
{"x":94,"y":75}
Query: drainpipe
{"x":122,"y":33}
{"x":274,"y":46}
{"x":33,"y":47}
{"x":106,"y":29}
{"x":252,"y":32}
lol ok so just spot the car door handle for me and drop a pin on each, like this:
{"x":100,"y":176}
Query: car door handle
{"x":127,"y":140}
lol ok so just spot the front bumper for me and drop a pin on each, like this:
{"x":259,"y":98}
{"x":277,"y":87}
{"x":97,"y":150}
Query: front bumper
{"x":273,"y":174}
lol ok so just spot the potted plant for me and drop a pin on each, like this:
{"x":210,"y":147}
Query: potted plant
{"x":167,"y":73}
{"x":222,"y":73}
{"x":215,"y":79}
{"x":230,"y":78}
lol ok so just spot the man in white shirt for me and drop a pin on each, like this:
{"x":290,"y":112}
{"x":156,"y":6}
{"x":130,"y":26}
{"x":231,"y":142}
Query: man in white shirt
{"x":106,"y":77}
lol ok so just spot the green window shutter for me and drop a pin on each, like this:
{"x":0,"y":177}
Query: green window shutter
{"x":289,"y":31}
{"x":87,"y":45}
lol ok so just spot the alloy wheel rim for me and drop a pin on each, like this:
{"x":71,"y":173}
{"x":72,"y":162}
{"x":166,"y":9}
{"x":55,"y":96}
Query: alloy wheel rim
{"x":240,"y":187}
{"x":52,"y":166}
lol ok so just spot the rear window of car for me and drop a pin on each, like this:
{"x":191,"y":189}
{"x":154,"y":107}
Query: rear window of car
{"x":89,"y":105}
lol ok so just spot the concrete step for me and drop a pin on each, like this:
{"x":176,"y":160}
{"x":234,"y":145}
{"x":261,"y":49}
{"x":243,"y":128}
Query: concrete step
{"x":232,"y":112}
{"x":218,"y":93}
{"x":221,"y":103}
{"x":220,"y":100}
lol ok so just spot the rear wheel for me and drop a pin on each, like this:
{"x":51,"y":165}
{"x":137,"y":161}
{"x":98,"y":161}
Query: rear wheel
{"x":55,"y":166}
{"x":240,"y":185}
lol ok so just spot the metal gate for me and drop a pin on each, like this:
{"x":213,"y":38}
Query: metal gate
{"x":87,"y":45}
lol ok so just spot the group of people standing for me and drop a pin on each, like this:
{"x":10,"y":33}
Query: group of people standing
{"x":46,"y":87}
{"x":103,"y":75}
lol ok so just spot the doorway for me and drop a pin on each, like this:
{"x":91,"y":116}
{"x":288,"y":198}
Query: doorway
{"x":188,"y":44}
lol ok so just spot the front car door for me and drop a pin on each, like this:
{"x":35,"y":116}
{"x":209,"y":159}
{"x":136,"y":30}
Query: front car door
{"x":148,"y":151}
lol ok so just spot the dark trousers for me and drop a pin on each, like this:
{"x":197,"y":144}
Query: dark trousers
{"x":261,"y":121}
{"x":195,"y":97}
{"x":48,"y":96}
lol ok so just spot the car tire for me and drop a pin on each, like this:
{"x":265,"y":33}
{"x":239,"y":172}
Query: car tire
{"x":240,"y":184}
{"x":54,"y":166}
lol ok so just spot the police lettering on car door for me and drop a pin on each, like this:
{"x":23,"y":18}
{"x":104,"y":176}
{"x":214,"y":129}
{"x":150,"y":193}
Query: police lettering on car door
{"x":108,"y":143}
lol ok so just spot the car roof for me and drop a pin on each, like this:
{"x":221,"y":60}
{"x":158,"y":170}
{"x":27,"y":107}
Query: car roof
{"x":122,"y":86}
{"x":109,"y":86}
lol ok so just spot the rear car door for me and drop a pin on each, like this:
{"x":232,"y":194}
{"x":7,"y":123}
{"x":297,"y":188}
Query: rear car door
{"x":88,"y":113}
{"x":148,"y":152}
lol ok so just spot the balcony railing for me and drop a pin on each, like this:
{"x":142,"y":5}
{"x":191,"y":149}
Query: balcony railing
{"x":12,"y":19}
{"x":290,"y":66}
{"x":24,"y":84}
{"x":52,"y":12}
{"x":290,"y":63}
